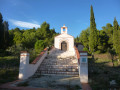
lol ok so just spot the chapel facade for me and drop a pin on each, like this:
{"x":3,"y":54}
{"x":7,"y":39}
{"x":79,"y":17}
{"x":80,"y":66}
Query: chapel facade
{"x":64,"y":41}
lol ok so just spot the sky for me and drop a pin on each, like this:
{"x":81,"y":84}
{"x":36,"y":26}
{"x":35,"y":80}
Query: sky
{"x":75,"y":14}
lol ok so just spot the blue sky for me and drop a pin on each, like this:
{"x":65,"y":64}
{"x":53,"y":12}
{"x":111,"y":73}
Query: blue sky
{"x":75,"y":14}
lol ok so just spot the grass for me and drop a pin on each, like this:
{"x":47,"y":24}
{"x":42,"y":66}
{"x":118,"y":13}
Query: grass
{"x":9,"y":61}
{"x":9,"y":68}
{"x":101,"y":72}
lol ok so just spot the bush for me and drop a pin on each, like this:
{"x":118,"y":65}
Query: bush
{"x":33,"y":55}
{"x":98,"y":52}
{"x":39,"y":46}
{"x":115,"y":63}
{"x":23,"y":84}
{"x":85,"y":49}
{"x":8,"y":75}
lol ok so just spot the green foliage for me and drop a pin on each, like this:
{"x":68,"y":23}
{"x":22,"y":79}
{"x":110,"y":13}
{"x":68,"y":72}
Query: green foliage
{"x":84,"y":37}
{"x":112,"y":55}
{"x":116,"y":37}
{"x":3,"y":33}
{"x":99,"y":41}
{"x":33,"y":55}
{"x":93,"y":32}
{"x":23,"y":84}
{"x":85,"y":49}
{"x":109,"y":32}
{"x":43,"y":32}
{"x":39,"y":46}
{"x":9,"y":67}
{"x":8,"y":75}
{"x":102,"y":41}
{"x":77,"y":39}
{"x":17,"y":38}
{"x":6,"y":33}
{"x":29,"y":39}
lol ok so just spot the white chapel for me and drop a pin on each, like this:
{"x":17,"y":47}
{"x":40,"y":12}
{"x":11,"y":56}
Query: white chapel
{"x":64,"y":41}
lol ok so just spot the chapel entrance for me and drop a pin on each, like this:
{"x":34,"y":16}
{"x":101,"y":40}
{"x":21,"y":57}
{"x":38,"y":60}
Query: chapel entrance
{"x":64,"y":46}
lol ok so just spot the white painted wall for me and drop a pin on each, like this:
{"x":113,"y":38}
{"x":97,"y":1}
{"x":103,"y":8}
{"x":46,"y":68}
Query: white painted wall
{"x":83,"y":68}
{"x":26,"y":70}
{"x":64,"y":37}
{"x":24,"y":62}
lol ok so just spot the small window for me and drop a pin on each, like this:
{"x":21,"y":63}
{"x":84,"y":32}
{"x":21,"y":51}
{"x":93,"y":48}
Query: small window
{"x":84,"y":60}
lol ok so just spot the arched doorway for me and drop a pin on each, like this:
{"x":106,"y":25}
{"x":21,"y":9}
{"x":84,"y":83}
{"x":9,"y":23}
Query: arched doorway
{"x":64,"y":46}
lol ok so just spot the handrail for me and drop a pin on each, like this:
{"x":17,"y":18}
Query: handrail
{"x":77,"y":53}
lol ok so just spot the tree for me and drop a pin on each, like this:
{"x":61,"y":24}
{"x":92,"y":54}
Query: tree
{"x":112,"y":55}
{"x":77,"y":39}
{"x":116,"y":37}
{"x":102,"y":41}
{"x":11,"y":36}
{"x":84,"y":37}
{"x":44,"y":31}
{"x":17,"y":38}
{"x":6,"y":33}
{"x":109,"y":31}
{"x":93,"y":33}
{"x":39,"y":46}
{"x":1,"y":32}
{"x":29,"y":39}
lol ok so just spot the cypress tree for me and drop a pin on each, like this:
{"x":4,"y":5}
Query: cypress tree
{"x":6,"y":33}
{"x":93,"y":32}
{"x":116,"y":37}
{"x":1,"y":31}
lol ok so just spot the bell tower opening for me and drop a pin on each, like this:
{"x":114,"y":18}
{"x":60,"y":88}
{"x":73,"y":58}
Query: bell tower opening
{"x":64,"y":29}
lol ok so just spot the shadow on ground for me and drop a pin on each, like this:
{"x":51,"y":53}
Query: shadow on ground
{"x":101,"y":72}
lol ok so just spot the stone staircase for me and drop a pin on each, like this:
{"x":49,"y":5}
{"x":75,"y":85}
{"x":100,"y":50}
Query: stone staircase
{"x":58,"y":63}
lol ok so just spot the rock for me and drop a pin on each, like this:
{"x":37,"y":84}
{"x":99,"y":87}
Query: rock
{"x":113,"y":82}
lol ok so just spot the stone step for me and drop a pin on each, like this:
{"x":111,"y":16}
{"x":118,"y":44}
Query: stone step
{"x":55,"y":72}
{"x":59,"y":63}
{"x":56,"y":66}
{"x":52,"y":69}
{"x":55,"y":58}
{"x":39,"y":75}
{"x":59,"y":69}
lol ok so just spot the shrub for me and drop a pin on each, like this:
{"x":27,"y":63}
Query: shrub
{"x":23,"y":84}
{"x":39,"y":46}
{"x":85,"y":49}
{"x":115,"y":63}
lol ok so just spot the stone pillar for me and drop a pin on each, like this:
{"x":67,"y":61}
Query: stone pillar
{"x":24,"y":62}
{"x":83,"y":67}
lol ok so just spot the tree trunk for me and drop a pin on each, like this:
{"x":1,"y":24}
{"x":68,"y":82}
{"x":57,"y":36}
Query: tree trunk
{"x":92,"y":55}
{"x":113,"y":62}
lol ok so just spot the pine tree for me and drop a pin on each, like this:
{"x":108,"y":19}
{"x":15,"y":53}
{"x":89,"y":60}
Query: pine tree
{"x":93,"y":33}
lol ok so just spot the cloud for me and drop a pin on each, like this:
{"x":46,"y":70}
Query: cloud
{"x":24,"y":24}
